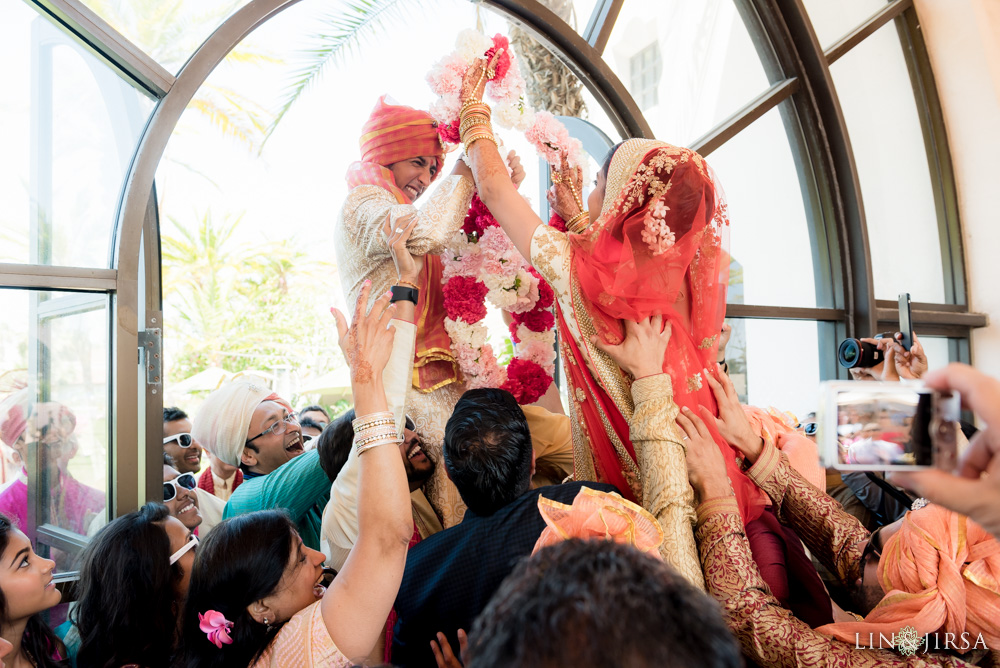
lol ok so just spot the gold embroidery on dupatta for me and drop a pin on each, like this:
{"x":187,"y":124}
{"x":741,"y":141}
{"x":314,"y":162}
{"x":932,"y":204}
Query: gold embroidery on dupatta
{"x":707,"y":342}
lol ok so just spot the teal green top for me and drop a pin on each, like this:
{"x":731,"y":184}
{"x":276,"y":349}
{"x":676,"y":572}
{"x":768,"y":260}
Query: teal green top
{"x":300,"y":487}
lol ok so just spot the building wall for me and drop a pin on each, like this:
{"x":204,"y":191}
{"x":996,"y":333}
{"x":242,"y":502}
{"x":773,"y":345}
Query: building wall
{"x":963,"y":39}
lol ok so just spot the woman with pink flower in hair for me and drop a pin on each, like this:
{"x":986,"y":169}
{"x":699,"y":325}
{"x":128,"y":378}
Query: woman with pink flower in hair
{"x":653,"y":245}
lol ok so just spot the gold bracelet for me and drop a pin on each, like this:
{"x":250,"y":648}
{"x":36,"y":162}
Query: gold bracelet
{"x":473,"y":119}
{"x":571,"y":224}
{"x":470,"y":140}
{"x":572,"y":188}
{"x":470,"y":123}
{"x":484,"y":128}
{"x":408,"y":284}
{"x":372,"y":419}
{"x":469,"y":104}
{"x":389,"y":441}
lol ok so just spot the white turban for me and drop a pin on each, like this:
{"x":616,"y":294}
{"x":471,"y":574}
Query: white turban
{"x":224,"y":419}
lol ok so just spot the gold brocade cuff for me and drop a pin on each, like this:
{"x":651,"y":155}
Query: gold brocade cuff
{"x":715,"y":506}
{"x":651,"y":387}
{"x":766,"y":464}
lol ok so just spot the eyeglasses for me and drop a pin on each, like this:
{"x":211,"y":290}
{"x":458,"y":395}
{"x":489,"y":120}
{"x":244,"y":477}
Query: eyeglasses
{"x":874,"y":547}
{"x":171,"y":487}
{"x":809,"y":428}
{"x":191,"y":543}
{"x":184,"y":440}
{"x":279,"y":427}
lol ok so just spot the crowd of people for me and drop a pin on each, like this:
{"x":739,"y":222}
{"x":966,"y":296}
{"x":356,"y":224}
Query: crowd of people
{"x":436,"y":523}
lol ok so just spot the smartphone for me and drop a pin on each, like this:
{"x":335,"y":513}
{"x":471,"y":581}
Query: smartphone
{"x":905,"y":326}
{"x":875,"y":426}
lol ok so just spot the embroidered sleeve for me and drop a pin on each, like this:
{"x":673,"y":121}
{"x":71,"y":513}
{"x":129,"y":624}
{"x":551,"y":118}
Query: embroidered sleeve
{"x":666,"y":493}
{"x":550,"y":255}
{"x":830,"y":533}
{"x":439,"y":217}
{"x":768,"y":633}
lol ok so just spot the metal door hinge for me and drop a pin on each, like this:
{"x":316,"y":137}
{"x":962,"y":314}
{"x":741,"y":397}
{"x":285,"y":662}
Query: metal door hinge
{"x":150,"y":342}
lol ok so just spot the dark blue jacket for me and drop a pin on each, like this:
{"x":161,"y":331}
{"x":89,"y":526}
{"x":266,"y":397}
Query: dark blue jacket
{"x":451,"y":576}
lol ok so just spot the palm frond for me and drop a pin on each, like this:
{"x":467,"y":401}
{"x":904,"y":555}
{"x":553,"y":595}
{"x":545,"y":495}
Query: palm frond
{"x":346,"y":29}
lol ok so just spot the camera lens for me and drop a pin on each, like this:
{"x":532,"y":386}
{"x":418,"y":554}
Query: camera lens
{"x":855,"y":353}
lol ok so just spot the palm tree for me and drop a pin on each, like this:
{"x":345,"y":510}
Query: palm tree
{"x":169,"y":35}
{"x":238,"y":305}
{"x":551,"y":85}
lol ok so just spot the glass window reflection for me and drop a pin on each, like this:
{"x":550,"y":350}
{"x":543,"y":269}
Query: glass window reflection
{"x":54,"y":413}
{"x":834,"y":20}
{"x":883,"y":121}
{"x":773,"y":255}
{"x":719,"y":73}
{"x":69,"y":134}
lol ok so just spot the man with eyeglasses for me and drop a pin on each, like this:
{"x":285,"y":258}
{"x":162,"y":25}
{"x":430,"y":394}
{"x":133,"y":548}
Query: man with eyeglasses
{"x":246,"y":426}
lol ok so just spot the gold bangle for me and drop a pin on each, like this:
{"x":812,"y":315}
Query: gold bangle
{"x":571,"y":224}
{"x":408,"y":284}
{"x":468,"y":104}
{"x":483,"y":128}
{"x":470,"y":123}
{"x":469,"y":141}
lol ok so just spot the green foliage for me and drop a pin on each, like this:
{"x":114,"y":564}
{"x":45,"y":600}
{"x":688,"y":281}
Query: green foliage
{"x":343,"y":32}
{"x":237,"y":305}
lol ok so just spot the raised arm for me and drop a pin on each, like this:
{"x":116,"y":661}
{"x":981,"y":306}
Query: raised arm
{"x":496,"y":190}
{"x":658,"y":442}
{"x":359,"y":599}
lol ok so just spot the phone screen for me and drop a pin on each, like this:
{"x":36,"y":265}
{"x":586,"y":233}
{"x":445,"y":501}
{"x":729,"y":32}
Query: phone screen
{"x":888,"y":426}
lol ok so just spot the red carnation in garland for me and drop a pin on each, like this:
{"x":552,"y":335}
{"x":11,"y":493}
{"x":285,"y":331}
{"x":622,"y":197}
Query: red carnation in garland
{"x":464,"y":299}
{"x":546,"y":295}
{"x":479,"y":218}
{"x":536,"y":320}
{"x":448,"y":132}
{"x":557,"y":223}
{"x":503,"y":62}
{"x":526,"y":381}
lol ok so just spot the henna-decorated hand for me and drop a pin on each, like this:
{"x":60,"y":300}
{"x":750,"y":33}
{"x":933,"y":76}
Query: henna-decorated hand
{"x":367,"y":344}
{"x":474,"y":81}
{"x":642,"y":351}
{"x":566,"y":195}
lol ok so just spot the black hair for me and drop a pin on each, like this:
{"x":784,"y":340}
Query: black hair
{"x":241,"y":561}
{"x":334,"y":444}
{"x":173,"y":413}
{"x":606,"y":165}
{"x":487,"y":450}
{"x":309,"y":422}
{"x":609,"y":604}
{"x":38,"y":639}
{"x":314,"y":407}
{"x":127,"y":609}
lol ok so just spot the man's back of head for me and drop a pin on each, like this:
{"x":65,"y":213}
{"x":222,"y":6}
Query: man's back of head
{"x":596,"y":603}
{"x":487,"y":450}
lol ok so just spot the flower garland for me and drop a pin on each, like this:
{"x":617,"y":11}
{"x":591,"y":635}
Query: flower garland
{"x":480,"y":262}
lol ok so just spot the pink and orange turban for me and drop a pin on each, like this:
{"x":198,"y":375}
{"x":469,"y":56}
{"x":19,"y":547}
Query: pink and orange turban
{"x":392,"y":133}
{"x":941,"y":572}
{"x":602,"y":516}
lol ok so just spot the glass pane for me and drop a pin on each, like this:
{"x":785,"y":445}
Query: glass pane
{"x":68,"y":137}
{"x":582,"y":12}
{"x":937,"y":350}
{"x":834,"y":20}
{"x":756,"y":377}
{"x":707,"y":66}
{"x":168,"y":30}
{"x":892,"y":164}
{"x":54,"y":398}
{"x":769,"y":226}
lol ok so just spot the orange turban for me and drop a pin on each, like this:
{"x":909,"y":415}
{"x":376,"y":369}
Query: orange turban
{"x":394,"y":132}
{"x":599,"y":515}
{"x":941,"y":572}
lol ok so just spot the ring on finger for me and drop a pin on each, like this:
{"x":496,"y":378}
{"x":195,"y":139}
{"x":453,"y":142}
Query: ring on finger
{"x":399,"y":230}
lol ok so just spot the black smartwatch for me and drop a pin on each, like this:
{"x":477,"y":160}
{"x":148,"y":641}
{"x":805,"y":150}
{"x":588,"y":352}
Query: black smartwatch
{"x":402,"y":293}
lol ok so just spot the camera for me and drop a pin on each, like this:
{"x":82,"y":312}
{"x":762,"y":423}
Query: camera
{"x":887,"y":426}
{"x":858,"y":354}
{"x":855,"y":353}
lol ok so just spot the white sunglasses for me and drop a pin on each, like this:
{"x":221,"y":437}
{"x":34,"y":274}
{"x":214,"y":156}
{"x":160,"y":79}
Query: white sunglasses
{"x":188,"y":546}
{"x":184,"y":440}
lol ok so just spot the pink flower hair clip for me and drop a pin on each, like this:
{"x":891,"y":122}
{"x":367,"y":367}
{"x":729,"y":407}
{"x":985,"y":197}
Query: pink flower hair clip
{"x":657,"y":235}
{"x":215,"y":625}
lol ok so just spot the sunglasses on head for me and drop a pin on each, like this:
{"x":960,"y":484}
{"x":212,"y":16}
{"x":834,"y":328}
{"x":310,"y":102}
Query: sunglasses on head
{"x":184,"y":440}
{"x":170,"y":487}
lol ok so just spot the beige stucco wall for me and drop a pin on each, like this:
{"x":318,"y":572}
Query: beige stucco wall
{"x":963,"y":39}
